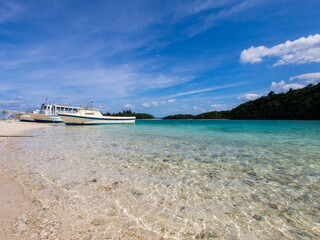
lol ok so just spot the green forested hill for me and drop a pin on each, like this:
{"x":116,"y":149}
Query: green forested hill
{"x":207,"y":115}
{"x":179,"y":116}
{"x":300,"y":104}
{"x":129,"y":113}
{"x":213,"y":115}
{"x":297,"y":104}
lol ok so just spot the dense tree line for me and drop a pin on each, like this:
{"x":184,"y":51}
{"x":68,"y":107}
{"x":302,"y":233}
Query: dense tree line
{"x":300,"y":104}
{"x":213,"y":115}
{"x":129,"y":113}
{"x":179,"y":116}
{"x":207,"y":115}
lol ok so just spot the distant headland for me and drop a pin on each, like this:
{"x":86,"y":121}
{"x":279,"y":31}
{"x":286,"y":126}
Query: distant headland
{"x":300,"y":104}
{"x":129,"y":113}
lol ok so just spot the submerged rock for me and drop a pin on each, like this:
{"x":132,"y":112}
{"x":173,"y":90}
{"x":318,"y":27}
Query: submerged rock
{"x":272,"y":205}
{"x":115,"y":184}
{"x":255,"y":197}
{"x":257,"y":217}
{"x":250,"y":183}
{"x":253,"y":174}
{"x":206,"y":235}
{"x":98,"y":222}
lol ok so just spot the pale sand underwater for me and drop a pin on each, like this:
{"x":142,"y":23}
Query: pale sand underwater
{"x":170,"y":180}
{"x":14,"y":203}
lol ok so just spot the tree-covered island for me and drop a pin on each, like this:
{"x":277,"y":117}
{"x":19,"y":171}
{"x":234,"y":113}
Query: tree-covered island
{"x":129,"y":113}
{"x":300,"y":104}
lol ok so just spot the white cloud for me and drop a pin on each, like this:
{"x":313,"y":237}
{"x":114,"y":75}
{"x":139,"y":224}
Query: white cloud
{"x":184,"y":107}
{"x":163,"y":102}
{"x":283,"y":87}
{"x":154,"y":103}
{"x":219,"y":107}
{"x":302,"y":50}
{"x":171,"y":100}
{"x":198,"y":109}
{"x":146,"y":105}
{"x":208,"y":89}
{"x":16,"y":102}
{"x":130,"y":106}
{"x":249,"y":96}
{"x":309,"y":77}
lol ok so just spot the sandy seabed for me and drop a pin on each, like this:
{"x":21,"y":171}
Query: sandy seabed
{"x":15,"y":205}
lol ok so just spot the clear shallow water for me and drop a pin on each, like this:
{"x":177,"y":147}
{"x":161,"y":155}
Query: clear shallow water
{"x":179,"y":179}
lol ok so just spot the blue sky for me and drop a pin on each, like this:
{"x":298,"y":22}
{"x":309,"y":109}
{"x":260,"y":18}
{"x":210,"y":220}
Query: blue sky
{"x":158,"y":57}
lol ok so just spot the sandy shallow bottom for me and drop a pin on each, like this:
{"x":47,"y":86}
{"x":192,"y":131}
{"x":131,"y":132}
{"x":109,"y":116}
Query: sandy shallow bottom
{"x":16,"y":207}
{"x":126,"y":182}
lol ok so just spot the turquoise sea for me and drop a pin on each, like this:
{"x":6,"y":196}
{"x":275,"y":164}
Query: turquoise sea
{"x":177,"y":179}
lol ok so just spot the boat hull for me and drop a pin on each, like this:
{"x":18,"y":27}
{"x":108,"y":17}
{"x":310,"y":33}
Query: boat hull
{"x":38,"y":117}
{"x":25,"y":118}
{"x":72,"y":119}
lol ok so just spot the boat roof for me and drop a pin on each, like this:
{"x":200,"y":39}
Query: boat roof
{"x":58,"y":105}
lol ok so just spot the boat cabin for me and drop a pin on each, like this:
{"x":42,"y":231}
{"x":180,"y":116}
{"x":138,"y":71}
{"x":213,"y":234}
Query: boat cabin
{"x":54,"y":109}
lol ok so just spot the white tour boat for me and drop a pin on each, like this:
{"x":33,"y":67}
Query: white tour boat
{"x":49,"y":112}
{"x":91,"y":116}
{"x":25,"y":117}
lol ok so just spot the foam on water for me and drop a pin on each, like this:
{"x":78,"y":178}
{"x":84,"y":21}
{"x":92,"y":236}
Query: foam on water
{"x":179,"y":179}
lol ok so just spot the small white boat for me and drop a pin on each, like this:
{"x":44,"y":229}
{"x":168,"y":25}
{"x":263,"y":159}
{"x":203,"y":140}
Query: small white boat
{"x":25,"y":117}
{"x":90,"y":116}
{"x":49,"y":112}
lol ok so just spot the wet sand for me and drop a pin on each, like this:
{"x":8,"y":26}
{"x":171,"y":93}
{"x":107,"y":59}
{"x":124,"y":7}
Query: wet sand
{"x":15,"y":205}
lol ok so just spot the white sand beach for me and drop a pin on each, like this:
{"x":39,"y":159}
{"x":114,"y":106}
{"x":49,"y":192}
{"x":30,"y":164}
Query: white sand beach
{"x":14,"y":203}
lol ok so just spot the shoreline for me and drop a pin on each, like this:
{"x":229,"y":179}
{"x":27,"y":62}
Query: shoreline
{"x":15,"y":204}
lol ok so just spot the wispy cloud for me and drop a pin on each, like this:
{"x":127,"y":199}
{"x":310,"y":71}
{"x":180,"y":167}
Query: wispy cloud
{"x":11,"y":103}
{"x":249,"y":96}
{"x":218,"y":11}
{"x":308,"y":77}
{"x":198,"y":109}
{"x":302,"y":50}
{"x":146,"y":105}
{"x":207,"y":89}
{"x":9,"y":10}
{"x":219,"y":107}
{"x":130,"y":106}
